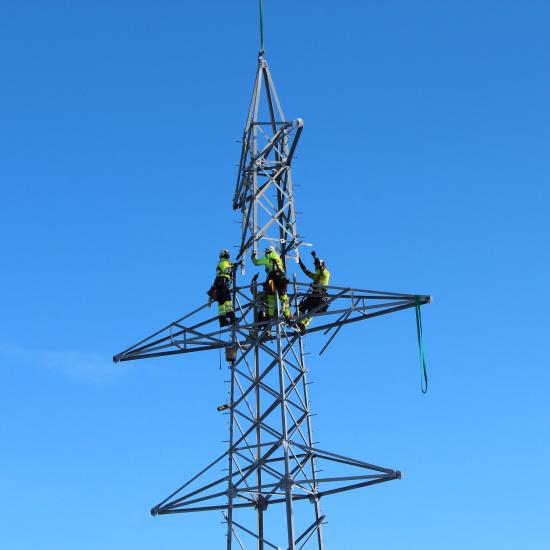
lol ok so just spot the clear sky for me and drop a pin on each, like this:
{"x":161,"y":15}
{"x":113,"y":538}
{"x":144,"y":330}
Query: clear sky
{"x":423,"y":167}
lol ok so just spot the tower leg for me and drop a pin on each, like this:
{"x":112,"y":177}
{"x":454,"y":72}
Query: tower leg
{"x":282,"y":396}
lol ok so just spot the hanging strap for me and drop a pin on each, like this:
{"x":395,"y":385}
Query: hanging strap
{"x":423,"y":371}
{"x":261,"y":29}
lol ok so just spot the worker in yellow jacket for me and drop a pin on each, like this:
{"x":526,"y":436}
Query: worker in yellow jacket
{"x":317,"y":294}
{"x":276,"y":281}
{"x":220,"y":290}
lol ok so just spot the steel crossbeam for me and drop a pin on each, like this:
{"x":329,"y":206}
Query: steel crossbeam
{"x":348,"y":305}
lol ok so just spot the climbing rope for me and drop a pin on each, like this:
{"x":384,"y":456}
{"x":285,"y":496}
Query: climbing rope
{"x":220,"y":349}
{"x":261,"y":29}
{"x":423,"y":371}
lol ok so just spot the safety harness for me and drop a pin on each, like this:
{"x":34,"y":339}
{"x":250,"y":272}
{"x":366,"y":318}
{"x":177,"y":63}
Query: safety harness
{"x":224,"y":271}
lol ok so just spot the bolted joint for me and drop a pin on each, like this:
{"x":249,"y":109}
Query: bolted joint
{"x":398,"y":474}
{"x":155,"y":511}
{"x":314,"y":497}
{"x":287,"y":482}
{"x":232,"y":491}
{"x":261,"y":503}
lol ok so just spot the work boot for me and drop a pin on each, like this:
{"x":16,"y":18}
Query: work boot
{"x":301,"y":328}
{"x":222,"y":320}
{"x":230,"y":316}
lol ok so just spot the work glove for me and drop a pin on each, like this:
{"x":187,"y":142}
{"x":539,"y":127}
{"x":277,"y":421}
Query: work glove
{"x":254,"y":255}
{"x":313,"y":254}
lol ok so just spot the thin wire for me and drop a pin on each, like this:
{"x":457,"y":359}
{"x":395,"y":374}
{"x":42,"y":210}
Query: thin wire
{"x":261,"y":29}
{"x":220,"y":349}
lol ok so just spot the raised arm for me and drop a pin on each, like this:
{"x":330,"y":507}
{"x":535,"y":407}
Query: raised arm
{"x":261,"y":261}
{"x":305,"y":269}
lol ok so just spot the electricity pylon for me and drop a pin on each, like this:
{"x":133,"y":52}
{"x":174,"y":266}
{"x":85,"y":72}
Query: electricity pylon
{"x":272,"y":465}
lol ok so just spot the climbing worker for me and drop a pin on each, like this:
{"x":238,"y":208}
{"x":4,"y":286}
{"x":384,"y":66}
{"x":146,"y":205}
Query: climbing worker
{"x":220,"y":292}
{"x":276,"y":281}
{"x":317,"y":294}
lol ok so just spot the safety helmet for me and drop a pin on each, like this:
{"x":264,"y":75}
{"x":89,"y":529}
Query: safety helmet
{"x":224,"y":253}
{"x":269,"y":250}
{"x":320,"y":263}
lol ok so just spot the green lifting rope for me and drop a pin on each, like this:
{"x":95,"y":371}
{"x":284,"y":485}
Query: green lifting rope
{"x":423,"y":371}
{"x":261,"y":29}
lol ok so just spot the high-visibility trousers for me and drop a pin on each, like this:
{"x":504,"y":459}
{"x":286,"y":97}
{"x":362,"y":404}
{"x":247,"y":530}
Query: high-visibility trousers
{"x":271,"y":305}
{"x":310,"y":302}
{"x":223,"y":296}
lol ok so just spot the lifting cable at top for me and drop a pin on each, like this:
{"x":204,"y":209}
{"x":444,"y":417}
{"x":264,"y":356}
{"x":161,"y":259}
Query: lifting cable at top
{"x":261,"y":29}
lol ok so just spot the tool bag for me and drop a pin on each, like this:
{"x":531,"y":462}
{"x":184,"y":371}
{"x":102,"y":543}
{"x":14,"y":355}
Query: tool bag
{"x":276,"y":280}
{"x":219,"y":286}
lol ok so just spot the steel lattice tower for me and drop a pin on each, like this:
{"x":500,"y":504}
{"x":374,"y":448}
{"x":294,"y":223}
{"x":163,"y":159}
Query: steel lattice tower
{"x":271,"y":475}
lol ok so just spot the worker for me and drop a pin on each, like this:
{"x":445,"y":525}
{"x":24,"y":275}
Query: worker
{"x":317,"y":294}
{"x":220,"y":291}
{"x":276,"y":281}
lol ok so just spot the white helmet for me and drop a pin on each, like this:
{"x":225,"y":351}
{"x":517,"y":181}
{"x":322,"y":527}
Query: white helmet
{"x":224,"y":253}
{"x":269,"y":250}
{"x":319,"y":262}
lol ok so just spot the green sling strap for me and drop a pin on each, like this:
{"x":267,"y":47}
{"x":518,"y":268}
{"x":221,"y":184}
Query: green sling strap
{"x":423,"y":371}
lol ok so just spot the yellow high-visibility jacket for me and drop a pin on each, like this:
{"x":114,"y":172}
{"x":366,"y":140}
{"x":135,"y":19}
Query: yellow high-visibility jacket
{"x":320,"y":276}
{"x":272,"y":262}
{"x":224,"y":268}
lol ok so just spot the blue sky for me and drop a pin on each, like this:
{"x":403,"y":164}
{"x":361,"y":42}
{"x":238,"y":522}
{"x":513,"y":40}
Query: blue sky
{"x":423,"y":167}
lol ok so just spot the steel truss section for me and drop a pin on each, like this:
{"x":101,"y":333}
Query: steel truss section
{"x":271,"y":457}
{"x":264,"y":191}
